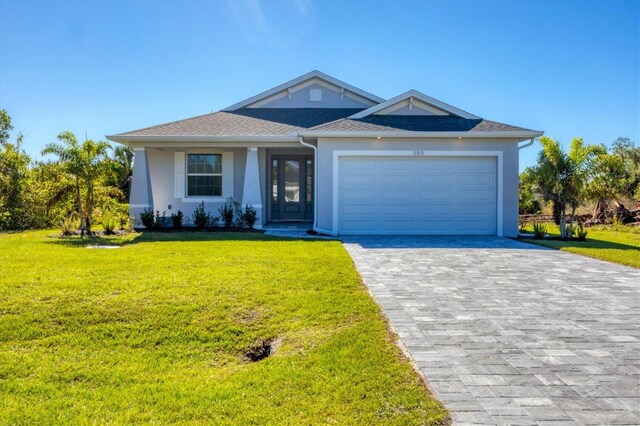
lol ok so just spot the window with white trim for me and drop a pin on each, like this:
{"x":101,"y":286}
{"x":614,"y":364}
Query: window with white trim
{"x":204,"y":175}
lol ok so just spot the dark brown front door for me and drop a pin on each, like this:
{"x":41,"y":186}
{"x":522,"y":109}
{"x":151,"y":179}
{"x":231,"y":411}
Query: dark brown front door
{"x":291,"y":188}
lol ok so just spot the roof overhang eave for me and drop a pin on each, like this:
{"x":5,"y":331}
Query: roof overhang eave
{"x":131,"y":139}
{"x":519,"y":134}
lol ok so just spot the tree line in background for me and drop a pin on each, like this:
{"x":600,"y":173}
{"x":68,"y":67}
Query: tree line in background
{"x":83,"y":180}
{"x":91,"y":181}
{"x":585,"y":173}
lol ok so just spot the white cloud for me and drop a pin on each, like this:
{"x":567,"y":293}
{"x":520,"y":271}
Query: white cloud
{"x":274,"y":24}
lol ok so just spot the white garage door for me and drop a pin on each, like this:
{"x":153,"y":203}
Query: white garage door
{"x":417,"y":195}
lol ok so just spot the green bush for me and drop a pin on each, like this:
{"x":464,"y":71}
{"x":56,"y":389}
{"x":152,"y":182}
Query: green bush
{"x":201,"y":217}
{"x":539,"y":230}
{"x":249,"y":216}
{"x":177,"y":219}
{"x":69,"y":224}
{"x":148,"y":218}
{"x":226,"y":213}
{"x":581,"y":233}
{"x":109,"y":225}
{"x":617,"y":221}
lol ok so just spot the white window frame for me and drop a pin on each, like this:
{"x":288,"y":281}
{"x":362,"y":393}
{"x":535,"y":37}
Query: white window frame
{"x":221,"y":174}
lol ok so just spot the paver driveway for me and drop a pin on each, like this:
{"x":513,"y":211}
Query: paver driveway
{"x":508,"y":332}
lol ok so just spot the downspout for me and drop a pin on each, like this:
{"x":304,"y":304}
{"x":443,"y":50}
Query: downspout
{"x":528,"y":144}
{"x":315,"y":187}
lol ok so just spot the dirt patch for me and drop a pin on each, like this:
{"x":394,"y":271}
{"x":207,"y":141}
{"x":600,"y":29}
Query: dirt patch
{"x":262,"y":350}
{"x":248,"y":317}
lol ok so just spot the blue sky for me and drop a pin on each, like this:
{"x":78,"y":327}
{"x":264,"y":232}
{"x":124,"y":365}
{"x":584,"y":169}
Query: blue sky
{"x":570,"y":68}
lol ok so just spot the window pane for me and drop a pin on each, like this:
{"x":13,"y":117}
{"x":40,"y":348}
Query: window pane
{"x":274,"y":181}
{"x":204,"y":163}
{"x":191,"y":163}
{"x":206,"y":186}
{"x":292,"y":181}
{"x":216,"y":161}
{"x":309,"y":181}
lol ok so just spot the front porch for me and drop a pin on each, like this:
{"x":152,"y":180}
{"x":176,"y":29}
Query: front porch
{"x":277,"y":181}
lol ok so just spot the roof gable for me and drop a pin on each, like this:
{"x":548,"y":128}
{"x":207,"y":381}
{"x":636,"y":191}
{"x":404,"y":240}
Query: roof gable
{"x":414,"y":103}
{"x":279,"y":96}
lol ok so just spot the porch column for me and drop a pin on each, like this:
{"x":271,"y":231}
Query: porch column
{"x":140,"y":197}
{"x":251,"y":193}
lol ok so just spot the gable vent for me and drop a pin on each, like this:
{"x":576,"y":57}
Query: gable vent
{"x":315,"y":95}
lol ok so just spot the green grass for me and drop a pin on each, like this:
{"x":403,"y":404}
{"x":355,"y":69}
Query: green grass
{"x":154,"y":332}
{"x":619,"y":244}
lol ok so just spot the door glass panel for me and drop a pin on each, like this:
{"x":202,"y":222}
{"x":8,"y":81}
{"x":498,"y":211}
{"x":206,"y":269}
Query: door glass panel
{"x":274,"y":181}
{"x":309,"y":181}
{"x":292,"y":181}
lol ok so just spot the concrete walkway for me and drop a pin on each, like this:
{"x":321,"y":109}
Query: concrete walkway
{"x":509,"y":333}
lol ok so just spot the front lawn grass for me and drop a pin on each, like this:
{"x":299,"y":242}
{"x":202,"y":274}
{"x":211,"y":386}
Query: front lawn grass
{"x":620,"y":244}
{"x":155,"y":331}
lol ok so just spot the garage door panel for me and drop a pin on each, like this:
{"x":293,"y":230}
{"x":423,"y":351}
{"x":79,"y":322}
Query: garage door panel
{"x":435,"y":197}
{"x":392,"y":166}
{"x":360,"y":179}
{"x":389,"y":196}
{"x":395,"y":180}
{"x":403,"y":210}
{"x":424,"y":195}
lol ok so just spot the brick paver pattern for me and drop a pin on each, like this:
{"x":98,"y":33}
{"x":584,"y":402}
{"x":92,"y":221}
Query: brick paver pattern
{"x":510,"y":333}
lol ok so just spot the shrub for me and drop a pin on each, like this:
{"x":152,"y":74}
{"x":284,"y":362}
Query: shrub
{"x":617,"y":221}
{"x":148,"y":218}
{"x":201,"y":218}
{"x":215,"y":221}
{"x":249,"y":217}
{"x":109,"y":225}
{"x":177,"y":219}
{"x":539,"y":230}
{"x":522,"y":226}
{"x":581,"y":233}
{"x":127,"y":223}
{"x":226,"y":213}
{"x":70,"y":224}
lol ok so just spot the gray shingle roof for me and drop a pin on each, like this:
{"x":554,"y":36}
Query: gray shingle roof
{"x":414,"y":123}
{"x":283,"y":121}
{"x":247,"y":122}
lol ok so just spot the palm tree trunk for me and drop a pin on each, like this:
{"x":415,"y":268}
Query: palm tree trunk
{"x":78,"y":195}
{"x":89,"y":205}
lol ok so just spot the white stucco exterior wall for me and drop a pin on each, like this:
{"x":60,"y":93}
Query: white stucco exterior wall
{"x":160,"y":163}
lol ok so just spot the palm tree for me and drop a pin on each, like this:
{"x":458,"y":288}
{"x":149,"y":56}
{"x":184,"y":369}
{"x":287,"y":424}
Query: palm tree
{"x":86,"y":163}
{"x":70,"y":158}
{"x":123,"y":168}
{"x":94,"y":155}
{"x":562,"y":177}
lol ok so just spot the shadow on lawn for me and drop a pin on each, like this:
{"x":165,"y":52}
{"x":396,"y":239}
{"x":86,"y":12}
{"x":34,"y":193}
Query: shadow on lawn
{"x":591,"y":243}
{"x":168,"y":237}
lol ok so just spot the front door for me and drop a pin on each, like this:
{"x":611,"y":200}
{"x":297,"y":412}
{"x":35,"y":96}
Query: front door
{"x":291,"y":188}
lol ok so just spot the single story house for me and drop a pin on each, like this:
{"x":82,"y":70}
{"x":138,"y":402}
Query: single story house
{"x":316,"y":149}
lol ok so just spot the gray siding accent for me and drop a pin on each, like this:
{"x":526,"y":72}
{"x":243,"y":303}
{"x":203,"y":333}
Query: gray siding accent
{"x":141,"y":193}
{"x":330,"y":99}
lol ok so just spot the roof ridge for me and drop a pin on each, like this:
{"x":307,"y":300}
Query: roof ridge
{"x":299,"y":80}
